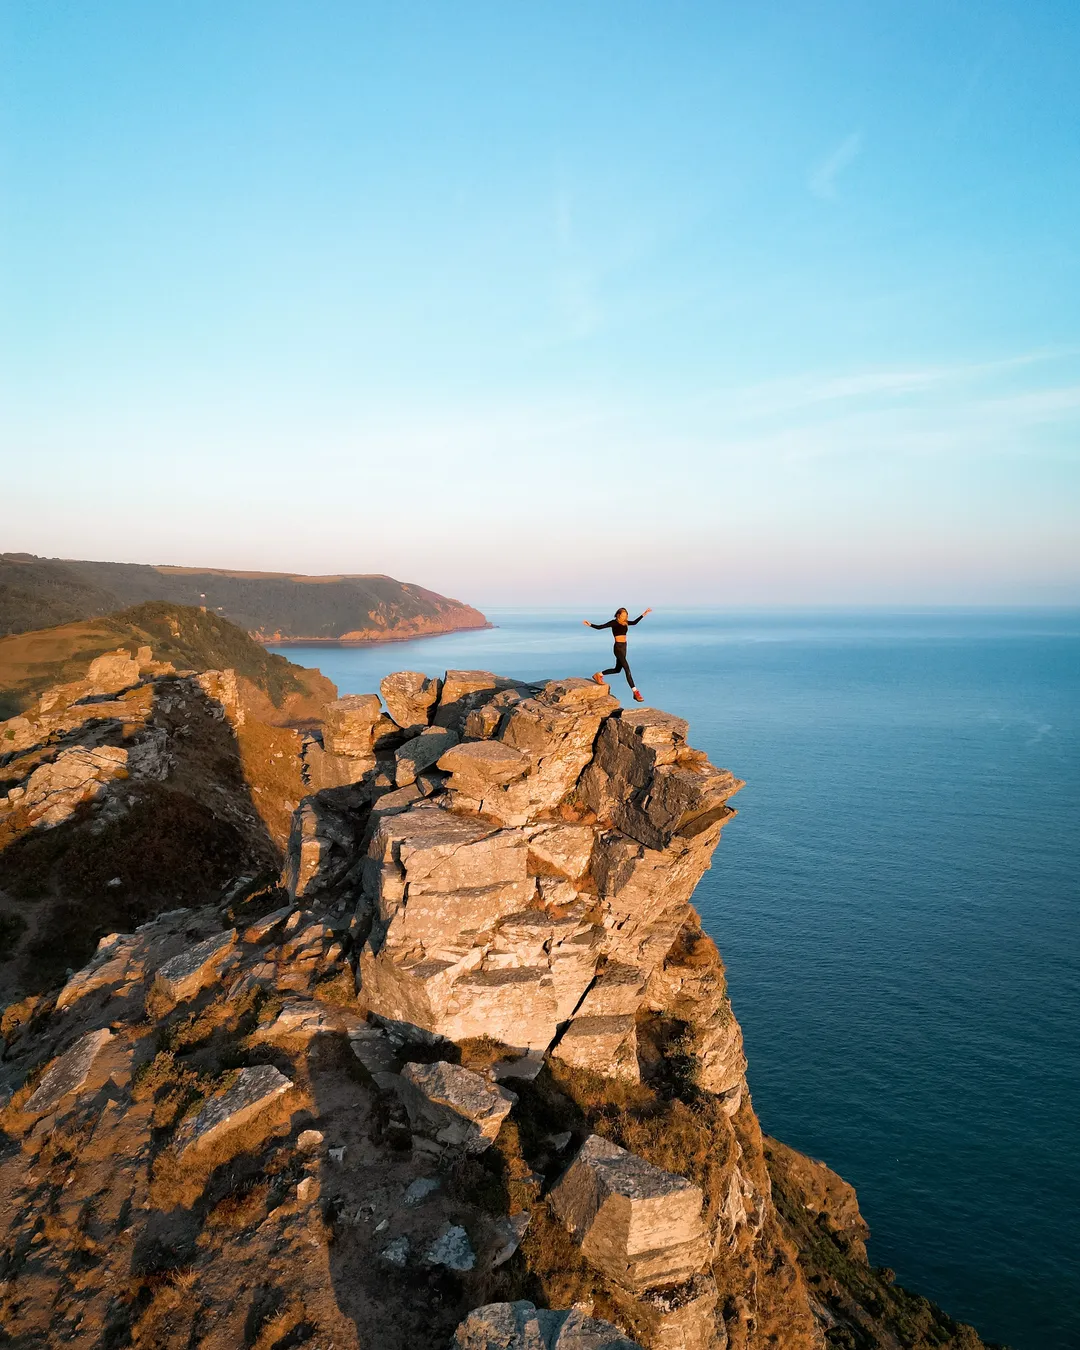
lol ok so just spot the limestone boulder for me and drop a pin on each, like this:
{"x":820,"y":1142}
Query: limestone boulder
{"x":325,"y":839}
{"x":53,"y":792}
{"x":67,"y":1074}
{"x":443,"y":851}
{"x":637,"y":1224}
{"x":603,"y":1045}
{"x":518,"y":1007}
{"x":454,"y":1105}
{"x":410,"y":698}
{"x":349,"y":726}
{"x":421,"y":753}
{"x":554,"y":730}
{"x":617,"y":990}
{"x":463,"y":690}
{"x":523,"y":1326}
{"x":182,"y":977}
{"x":111,"y":673}
{"x":650,"y":784}
{"x":476,"y":766}
{"x":252,"y":1093}
{"x":485,"y":721}
{"x":324,"y":769}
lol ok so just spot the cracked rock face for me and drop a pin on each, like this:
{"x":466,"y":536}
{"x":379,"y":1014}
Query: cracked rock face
{"x":563,"y":847}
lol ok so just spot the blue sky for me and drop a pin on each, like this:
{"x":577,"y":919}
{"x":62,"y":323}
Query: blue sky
{"x":699,"y":303}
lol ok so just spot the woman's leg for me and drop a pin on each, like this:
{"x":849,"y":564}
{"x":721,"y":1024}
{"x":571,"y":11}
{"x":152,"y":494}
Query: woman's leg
{"x":622,"y":661}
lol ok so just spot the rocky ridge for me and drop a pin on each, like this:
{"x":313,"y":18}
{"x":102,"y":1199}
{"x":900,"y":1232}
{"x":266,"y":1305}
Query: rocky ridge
{"x":471,"y":1073}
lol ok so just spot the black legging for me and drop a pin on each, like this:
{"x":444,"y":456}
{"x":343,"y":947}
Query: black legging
{"x":621,"y":664}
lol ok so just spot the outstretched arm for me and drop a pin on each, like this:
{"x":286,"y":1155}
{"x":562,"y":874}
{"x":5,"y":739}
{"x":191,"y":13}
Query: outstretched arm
{"x":640,"y":616}
{"x":598,"y":625}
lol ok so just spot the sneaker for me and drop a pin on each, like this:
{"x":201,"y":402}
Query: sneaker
{"x":637,"y":697}
{"x":598,"y":678}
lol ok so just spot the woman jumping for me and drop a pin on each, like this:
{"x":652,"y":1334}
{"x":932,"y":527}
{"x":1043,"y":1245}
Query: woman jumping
{"x":618,"y":626}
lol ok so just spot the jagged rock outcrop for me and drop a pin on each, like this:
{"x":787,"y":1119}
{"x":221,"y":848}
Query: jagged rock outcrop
{"x":475,"y":1046}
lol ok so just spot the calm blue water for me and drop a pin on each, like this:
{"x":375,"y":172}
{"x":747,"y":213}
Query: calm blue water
{"x":897,"y":906}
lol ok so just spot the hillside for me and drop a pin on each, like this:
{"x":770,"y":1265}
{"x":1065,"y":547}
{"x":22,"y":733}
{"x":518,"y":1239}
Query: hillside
{"x":272,"y":606}
{"x":182,"y":635}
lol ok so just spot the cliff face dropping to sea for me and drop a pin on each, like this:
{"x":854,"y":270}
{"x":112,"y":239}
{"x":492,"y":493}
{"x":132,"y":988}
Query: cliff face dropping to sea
{"x":468,"y":1075}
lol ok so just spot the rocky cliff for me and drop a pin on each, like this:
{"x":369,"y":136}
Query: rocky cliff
{"x":469,"y":1074}
{"x":275,"y":607}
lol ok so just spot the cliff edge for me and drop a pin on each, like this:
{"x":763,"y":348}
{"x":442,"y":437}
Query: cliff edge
{"x":469,"y":1074}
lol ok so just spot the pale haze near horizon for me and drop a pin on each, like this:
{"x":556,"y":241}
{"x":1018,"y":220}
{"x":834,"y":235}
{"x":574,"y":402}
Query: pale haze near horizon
{"x":681,"y":304}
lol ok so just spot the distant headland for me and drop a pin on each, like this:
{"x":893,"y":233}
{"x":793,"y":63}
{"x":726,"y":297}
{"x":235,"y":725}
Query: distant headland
{"x":279,"y":608}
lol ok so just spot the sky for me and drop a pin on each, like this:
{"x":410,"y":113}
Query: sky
{"x":685,"y":303}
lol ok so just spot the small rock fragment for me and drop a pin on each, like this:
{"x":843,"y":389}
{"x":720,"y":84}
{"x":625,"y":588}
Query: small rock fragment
{"x":395,"y":1253}
{"x":309,"y":1141}
{"x":509,"y":1231}
{"x":452,"y":1250}
{"x":458,"y":1106}
{"x":417,"y":1191}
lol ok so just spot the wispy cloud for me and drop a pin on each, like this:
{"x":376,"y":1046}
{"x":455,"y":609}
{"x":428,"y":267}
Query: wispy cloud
{"x":824,"y":177}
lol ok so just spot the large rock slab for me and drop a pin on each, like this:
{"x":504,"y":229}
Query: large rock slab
{"x":454,"y":1105}
{"x":185,"y":975}
{"x":112,"y":672}
{"x":650,"y":784}
{"x":349,"y":725}
{"x":523,"y":1326}
{"x":554,"y":730}
{"x":80,"y":774}
{"x":254,"y":1090}
{"x":463,"y":690}
{"x":478,"y":765}
{"x":604,"y":1045}
{"x":561,"y":850}
{"x":410,"y":698}
{"x":637,"y":1224}
{"x":445,"y":852}
{"x":421,"y":752}
{"x":67,"y":1074}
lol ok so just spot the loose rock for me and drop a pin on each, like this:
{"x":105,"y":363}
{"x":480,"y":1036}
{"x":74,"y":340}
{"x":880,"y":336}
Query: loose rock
{"x":639,"y":1225}
{"x":253,"y":1091}
{"x":67,"y":1074}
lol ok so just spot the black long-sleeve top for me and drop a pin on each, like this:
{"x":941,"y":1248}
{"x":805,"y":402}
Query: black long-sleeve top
{"x":617,"y":628}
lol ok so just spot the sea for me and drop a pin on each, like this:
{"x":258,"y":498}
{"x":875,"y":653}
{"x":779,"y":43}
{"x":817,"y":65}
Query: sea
{"x":896,"y":903}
